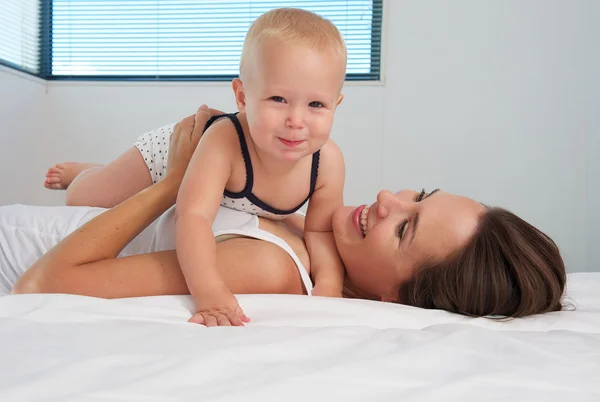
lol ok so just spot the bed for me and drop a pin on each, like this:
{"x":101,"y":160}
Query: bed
{"x":297,"y":348}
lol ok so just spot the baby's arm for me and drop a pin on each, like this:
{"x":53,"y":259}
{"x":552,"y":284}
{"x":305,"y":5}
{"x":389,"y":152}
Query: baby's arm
{"x":197,"y":204}
{"x":327,"y":269}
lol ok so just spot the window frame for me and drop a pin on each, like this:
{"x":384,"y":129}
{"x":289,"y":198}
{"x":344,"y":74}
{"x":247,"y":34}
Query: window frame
{"x":45,"y":57}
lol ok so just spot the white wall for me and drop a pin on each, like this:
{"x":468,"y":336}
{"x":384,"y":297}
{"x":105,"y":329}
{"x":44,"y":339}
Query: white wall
{"x":593,"y":146}
{"x":488,"y":99}
{"x":24,"y":132}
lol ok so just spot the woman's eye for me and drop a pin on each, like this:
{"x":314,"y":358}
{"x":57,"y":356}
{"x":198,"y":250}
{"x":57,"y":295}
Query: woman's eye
{"x":277,"y":99}
{"x":419,"y":197}
{"x":316,"y":104}
{"x":401,"y":229}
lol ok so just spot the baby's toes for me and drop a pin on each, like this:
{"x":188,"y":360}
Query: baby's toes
{"x":57,"y":169}
{"x":52,"y":186}
{"x":52,"y":179}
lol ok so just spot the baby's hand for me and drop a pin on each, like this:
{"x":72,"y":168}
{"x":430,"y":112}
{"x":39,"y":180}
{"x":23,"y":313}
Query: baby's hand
{"x":326,"y":290}
{"x":219,"y":308}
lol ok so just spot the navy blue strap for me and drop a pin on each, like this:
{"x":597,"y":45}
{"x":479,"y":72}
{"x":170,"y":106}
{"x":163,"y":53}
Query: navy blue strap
{"x":247,"y":191}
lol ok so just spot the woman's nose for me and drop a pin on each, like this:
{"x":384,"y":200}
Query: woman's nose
{"x":388,"y":202}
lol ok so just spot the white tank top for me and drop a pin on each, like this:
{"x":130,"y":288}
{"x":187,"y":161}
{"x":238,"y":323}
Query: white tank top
{"x":228,"y":222}
{"x":27,"y":232}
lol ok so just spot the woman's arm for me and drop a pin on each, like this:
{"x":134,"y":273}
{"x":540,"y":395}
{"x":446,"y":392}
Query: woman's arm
{"x":246,"y":266}
{"x":85,"y":262}
{"x":105,"y":236}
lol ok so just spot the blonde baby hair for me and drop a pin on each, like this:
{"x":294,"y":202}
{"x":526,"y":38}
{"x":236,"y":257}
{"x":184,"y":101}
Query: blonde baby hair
{"x":293,"y":25}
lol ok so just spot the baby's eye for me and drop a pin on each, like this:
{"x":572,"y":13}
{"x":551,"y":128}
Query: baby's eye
{"x":277,"y":99}
{"x":316,"y":104}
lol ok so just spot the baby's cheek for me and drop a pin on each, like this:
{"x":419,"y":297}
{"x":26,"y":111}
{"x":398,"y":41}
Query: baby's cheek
{"x":327,"y":126}
{"x":323,"y":132}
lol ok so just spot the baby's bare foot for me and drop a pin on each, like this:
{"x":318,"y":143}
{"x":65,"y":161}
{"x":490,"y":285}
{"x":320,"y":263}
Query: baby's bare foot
{"x":60,"y":176}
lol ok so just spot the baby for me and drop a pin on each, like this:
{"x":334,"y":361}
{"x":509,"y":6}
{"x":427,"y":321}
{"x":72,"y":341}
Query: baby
{"x":271,"y":157}
{"x":268,"y":159}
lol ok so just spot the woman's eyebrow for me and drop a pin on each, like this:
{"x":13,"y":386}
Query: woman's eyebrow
{"x":432,"y":193}
{"x":416,"y":221}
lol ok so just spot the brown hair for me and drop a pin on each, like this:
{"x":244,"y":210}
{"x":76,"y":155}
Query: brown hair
{"x":509,"y":268}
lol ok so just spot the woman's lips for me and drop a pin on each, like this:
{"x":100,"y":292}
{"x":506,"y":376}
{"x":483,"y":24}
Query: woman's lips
{"x":356,"y":219}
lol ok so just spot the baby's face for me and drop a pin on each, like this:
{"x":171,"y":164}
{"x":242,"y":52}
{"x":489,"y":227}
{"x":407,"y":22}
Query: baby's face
{"x":292,"y":92}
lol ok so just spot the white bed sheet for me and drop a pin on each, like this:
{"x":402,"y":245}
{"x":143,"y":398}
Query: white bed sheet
{"x":297,"y":348}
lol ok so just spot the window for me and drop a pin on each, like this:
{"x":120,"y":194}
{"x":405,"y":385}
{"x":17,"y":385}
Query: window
{"x":20,"y":34}
{"x":163,"y":39}
{"x":189,"y":39}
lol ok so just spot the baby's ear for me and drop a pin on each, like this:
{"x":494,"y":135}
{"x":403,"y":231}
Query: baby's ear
{"x":340,"y":99}
{"x":240,"y":96}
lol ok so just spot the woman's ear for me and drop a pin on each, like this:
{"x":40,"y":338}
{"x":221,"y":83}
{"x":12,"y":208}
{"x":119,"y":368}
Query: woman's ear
{"x":240,"y":96}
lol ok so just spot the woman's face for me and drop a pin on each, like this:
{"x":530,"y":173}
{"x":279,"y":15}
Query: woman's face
{"x":382,"y":244}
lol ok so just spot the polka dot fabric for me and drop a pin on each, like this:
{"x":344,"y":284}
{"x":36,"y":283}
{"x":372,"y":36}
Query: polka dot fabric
{"x":154,"y":146}
{"x":245,"y":205}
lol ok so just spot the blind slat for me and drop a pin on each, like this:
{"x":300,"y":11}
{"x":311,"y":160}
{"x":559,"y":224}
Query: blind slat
{"x":106,"y":38}
{"x":20,"y":34}
{"x":164,"y":39}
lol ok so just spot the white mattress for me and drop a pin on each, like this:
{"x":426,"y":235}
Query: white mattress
{"x":297,"y":348}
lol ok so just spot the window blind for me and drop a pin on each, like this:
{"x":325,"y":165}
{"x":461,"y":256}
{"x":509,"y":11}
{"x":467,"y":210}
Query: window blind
{"x":20,"y":34}
{"x":189,"y":39}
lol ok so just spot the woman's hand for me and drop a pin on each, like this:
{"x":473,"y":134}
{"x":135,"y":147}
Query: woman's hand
{"x":184,"y":139}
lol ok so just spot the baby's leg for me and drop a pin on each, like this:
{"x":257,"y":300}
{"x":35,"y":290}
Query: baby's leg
{"x":109,"y":185}
{"x":60,"y":176}
{"x":139,"y":167}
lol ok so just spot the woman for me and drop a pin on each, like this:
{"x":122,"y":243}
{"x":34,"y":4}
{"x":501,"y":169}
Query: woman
{"x":430,"y":250}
